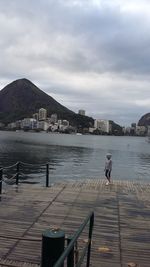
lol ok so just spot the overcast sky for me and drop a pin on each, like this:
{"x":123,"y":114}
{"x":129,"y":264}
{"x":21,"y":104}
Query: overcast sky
{"x":87,"y":54}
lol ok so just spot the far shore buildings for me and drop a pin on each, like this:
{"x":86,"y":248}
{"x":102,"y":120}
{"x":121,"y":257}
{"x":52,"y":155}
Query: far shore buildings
{"x":102,"y":125}
{"x":40,"y":121}
{"x":136,"y":130}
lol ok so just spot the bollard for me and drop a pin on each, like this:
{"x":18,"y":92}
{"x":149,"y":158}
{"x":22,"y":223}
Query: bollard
{"x":53,"y":242}
{"x":17,"y":175}
{"x":1,"y":178}
{"x":47,"y":175}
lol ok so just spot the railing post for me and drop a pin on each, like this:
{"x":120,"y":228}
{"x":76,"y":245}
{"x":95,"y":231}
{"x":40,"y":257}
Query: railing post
{"x":47,"y":175}
{"x":70,"y":258}
{"x":17,"y":175}
{"x":53,"y":242}
{"x":1,"y":179}
{"x":90,"y":237}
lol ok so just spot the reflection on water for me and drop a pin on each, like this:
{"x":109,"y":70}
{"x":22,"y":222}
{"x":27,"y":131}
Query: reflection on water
{"x":75,"y":157}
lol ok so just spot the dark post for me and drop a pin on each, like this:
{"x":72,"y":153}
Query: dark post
{"x":47,"y":175}
{"x":90,"y":237}
{"x":53,"y":242}
{"x":70,"y":258}
{"x":1,"y":178}
{"x":17,"y":175}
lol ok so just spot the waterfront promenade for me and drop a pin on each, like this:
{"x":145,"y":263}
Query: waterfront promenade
{"x":121,"y":234}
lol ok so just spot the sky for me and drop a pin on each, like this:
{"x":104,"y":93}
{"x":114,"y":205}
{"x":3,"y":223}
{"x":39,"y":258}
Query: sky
{"x":86,"y":54}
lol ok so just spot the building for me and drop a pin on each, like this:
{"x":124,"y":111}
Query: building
{"x":127,"y":130}
{"x":29,"y":123}
{"x":91,"y":129}
{"x":54,"y":127}
{"x":81,"y":112}
{"x":11,"y":125}
{"x":42,"y":114}
{"x":148,"y":130}
{"x":102,"y":125}
{"x":133,"y":125}
{"x":140,"y":130}
{"x":54,"y":118}
{"x":43,"y":125}
{"x":133,"y":129}
{"x":36,"y":116}
{"x":64,"y":125}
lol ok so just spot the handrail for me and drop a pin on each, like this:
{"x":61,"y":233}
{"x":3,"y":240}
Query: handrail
{"x":17,"y":175}
{"x":70,"y":247}
{"x":26,"y":164}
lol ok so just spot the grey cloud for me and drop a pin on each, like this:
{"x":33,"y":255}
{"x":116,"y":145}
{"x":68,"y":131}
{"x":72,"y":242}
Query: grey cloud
{"x":66,"y":47}
{"x":96,"y":40}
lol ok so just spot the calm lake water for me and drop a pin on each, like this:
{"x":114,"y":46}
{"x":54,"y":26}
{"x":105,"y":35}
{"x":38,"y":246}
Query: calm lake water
{"x":75,"y":157}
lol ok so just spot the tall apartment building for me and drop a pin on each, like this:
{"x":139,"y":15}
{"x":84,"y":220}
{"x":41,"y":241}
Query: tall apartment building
{"x":81,"y":112}
{"x":102,"y":125}
{"x":42,"y":114}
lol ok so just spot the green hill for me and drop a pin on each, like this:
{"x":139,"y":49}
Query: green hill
{"x":21,"y":98}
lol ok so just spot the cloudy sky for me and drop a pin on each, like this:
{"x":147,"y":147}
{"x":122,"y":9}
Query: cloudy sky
{"x":87,"y":54}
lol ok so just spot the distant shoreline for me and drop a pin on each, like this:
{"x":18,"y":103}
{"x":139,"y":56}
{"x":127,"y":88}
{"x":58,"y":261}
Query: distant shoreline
{"x":40,"y":131}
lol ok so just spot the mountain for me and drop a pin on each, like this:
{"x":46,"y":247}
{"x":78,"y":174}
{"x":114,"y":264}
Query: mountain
{"x":116,"y":129}
{"x":144,"y":120}
{"x":21,"y":98}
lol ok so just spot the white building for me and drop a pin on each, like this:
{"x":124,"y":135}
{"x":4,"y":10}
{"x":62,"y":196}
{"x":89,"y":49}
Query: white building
{"x":43,"y":125}
{"x":29,"y":123}
{"x":81,"y":112}
{"x":102,"y":125}
{"x":42,"y":114}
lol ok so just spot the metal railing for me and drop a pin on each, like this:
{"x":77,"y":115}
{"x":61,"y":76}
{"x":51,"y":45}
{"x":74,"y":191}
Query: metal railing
{"x":17,"y":174}
{"x":69,"y":251}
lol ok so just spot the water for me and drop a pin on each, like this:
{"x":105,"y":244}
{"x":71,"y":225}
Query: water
{"x":75,"y":157}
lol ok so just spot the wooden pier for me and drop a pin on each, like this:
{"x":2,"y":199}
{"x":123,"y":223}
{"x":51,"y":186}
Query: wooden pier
{"x":121,"y":234}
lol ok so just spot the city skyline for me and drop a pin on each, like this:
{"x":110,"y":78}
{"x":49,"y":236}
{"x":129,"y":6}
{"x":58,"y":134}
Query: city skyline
{"x":85,"y":112}
{"x":91,"y":55}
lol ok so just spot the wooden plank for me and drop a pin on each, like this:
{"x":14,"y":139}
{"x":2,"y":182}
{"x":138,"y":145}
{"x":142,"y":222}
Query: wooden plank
{"x":122,"y":220}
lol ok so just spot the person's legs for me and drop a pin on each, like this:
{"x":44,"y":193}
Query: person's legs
{"x":107,"y":176}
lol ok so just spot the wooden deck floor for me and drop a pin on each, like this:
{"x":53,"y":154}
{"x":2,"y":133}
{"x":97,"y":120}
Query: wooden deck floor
{"x":122,"y":221}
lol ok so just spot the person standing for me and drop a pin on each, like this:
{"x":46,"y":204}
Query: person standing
{"x":108,"y":168}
